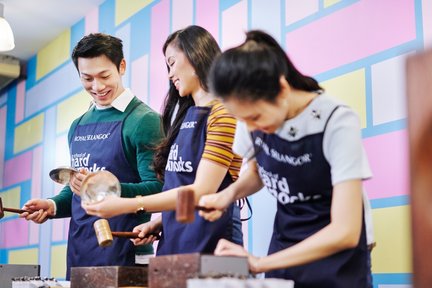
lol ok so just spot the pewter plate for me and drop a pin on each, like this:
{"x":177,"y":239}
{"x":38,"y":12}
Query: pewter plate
{"x":62,"y":175}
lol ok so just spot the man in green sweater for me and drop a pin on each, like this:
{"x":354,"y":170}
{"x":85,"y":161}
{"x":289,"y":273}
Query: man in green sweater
{"x":117,"y":134}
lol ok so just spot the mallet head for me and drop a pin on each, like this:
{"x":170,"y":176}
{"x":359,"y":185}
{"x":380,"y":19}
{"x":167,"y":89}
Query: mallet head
{"x":1,"y":209}
{"x":103,"y":232}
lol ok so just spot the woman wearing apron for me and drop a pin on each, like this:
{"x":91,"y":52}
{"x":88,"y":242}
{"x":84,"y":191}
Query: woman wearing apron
{"x":197,"y":152}
{"x":306,"y":150}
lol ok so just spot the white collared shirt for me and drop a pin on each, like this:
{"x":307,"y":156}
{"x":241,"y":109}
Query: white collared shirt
{"x":120,"y":103}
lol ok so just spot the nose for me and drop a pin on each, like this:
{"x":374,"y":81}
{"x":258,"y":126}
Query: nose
{"x":97,"y":85}
{"x":170,"y":74}
{"x":251,"y":126}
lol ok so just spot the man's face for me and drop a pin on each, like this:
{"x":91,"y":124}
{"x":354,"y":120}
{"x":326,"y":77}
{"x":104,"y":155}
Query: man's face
{"x":100,"y":77}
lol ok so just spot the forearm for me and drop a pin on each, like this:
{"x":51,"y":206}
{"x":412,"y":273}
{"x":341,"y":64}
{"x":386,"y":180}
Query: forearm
{"x":247,"y":184}
{"x":145,"y":188}
{"x":324,"y":243}
{"x":151,"y":203}
{"x":63,"y":203}
{"x":343,"y":232}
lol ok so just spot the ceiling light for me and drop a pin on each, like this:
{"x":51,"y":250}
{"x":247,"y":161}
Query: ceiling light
{"x":7,"y":41}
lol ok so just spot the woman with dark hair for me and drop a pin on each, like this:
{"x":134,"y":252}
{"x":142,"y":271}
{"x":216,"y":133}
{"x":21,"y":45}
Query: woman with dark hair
{"x":197,"y":152}
{"x":307,"y":151}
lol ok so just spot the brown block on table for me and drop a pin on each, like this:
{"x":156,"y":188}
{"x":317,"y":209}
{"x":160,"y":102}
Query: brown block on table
{"x":172,"y":271}
{"x":108,"y":276}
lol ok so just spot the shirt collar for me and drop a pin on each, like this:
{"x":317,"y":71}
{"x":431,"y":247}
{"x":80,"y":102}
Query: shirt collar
{"x":120,"y":103}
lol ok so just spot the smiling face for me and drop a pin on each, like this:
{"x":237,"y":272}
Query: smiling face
{"x":259,"y":115}
{"x":101,"y":78}
{"x":181,"y":72}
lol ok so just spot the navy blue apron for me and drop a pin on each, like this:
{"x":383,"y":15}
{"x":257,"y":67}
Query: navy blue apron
{"x":98,"y":146}
{"x":185,"y":155}
{"x":299,"y":176}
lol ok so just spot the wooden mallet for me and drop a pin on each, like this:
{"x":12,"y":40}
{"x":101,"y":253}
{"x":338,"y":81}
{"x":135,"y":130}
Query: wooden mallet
{"x":105,"y":236}
{"x":12,"y":210}
{"x":185,"y":209}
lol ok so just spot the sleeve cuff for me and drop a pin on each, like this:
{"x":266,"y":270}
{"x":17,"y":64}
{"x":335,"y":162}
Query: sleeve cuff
{"x":55,"y":206}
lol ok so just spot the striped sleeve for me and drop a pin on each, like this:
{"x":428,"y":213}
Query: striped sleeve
{"x":221,"y":127}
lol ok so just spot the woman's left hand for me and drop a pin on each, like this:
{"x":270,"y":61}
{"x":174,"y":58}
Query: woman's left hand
{"x":109,"y":207}
{"x":227,"y":248}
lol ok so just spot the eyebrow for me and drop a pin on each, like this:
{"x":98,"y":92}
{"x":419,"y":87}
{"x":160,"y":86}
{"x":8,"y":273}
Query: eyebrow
{"x":100,"y":73}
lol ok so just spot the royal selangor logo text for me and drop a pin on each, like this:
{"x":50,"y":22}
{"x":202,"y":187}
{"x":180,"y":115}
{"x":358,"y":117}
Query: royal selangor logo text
{"x":92,"y":137}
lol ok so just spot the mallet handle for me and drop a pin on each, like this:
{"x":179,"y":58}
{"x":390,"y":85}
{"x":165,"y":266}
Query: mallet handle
{"x":132,"y":234}
{"x":13,"y":210}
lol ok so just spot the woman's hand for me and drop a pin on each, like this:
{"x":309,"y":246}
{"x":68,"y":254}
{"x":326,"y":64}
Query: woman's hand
{"x":144,"y":237}
{"x":219,"y":202}
{"x":227,"y":248}
{"x":109,"y":207}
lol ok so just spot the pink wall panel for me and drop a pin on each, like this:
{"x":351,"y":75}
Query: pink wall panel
{"x":234,"y":25}
{"x":160,"y":20}
{"x":36,"y":173}
{"x":12,"y":229}
{"x":33,"y":233}
{"x":92,"y":21}
{"x":66,"y":228}
{"x":3,"y":111}
{"x":206,"y":16}
{"x":388,"y":158}
{"x":181,"y":14}
{"x":139,"y":78}
{"x":344,"y":36}
{"x":57,"y":230}
{"x":19,"y":109}
{"x":18,"y":169}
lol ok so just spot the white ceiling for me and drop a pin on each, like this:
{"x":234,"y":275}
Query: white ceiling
{"x":35,"y":23}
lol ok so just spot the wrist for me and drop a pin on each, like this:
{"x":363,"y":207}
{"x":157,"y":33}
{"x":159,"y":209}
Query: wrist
{"x":139,"y":204}
{"x":255,"y":264}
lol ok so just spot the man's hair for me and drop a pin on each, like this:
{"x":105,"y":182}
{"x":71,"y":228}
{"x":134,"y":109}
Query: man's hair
{"x":98,"y":44}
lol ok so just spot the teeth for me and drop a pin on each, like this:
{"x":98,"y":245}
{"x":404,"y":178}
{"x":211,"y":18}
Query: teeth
{"x":101,"y":95}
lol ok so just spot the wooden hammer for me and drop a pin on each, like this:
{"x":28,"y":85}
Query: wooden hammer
{"x":185,"y":209}
{"x":105,"y":236}
{"x":12,"y":210}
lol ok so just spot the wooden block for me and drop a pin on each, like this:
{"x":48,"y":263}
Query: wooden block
{"x":172,"y":271}
{"x":109,"y":276}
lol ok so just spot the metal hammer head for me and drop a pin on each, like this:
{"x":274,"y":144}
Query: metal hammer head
{"x":103,"y":232}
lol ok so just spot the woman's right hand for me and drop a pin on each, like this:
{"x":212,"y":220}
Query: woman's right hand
{"x":39,"y":210}
{"x":144,"y":237}
{"x":218,"y":202}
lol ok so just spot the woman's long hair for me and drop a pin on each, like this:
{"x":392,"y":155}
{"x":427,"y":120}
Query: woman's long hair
{"x":200,"y":48}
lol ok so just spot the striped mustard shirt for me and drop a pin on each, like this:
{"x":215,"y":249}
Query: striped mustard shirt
{"x":221,"y":127}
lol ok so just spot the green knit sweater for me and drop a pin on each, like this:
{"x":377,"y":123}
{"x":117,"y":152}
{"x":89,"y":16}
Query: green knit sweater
{"x":141,"y":130}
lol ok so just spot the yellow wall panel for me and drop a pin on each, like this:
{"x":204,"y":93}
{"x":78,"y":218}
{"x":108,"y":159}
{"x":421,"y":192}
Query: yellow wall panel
{"x":24,"y":256}
{"x":126,"y":8}
{"x":58,"y":261}
{"x":11,"y":198}
{"x":351,"y":89}
{"x":29,"y":133}
{"x":70,"y":109}
{"x":54,"y":54}
{"x":392,"y":228}
{"x":328,"y":3}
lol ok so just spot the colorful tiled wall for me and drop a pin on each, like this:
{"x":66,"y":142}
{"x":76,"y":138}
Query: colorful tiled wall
{"x":355,"y":48}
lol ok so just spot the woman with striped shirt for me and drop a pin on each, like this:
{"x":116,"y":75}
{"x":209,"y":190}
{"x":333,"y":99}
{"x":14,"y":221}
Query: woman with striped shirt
{"x":197,"y":152}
